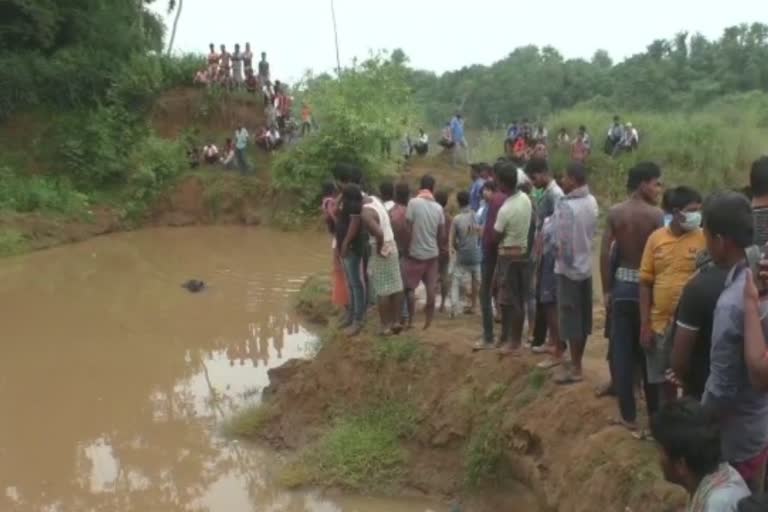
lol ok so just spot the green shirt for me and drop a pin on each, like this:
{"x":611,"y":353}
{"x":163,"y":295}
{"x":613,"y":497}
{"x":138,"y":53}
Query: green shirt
{"x":514,"y":221}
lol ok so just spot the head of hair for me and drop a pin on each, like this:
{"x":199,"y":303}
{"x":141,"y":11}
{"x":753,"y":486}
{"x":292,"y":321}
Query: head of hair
{"x":665,"y":200}
{"x":754,"y":503}
{"x":616,"y":119}
{"x":729,"y":215}
{"x":462,"y":197}
{"x":688,"y":432}
{"x":329,"y":188}
{"x":402,"y":193}
{"x":758,"y":177}
{"x":683,"y":196}
{"x":427,"y":183}
{"x":583,"y":128}
{"x":442,"y":198}
{"x":577,"y":172}
{"x":506,"y":174}
{"x":387,"y":190}
{"x":536,"y":166}
{"x":490,"y":186}
{"x":347,"y":173}
{"x":642,"y":173}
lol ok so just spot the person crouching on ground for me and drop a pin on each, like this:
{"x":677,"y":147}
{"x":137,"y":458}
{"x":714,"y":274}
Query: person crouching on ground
{"x":384,"y":265}
{"x":575,"y":225}
{"x":464,"y":244}
{"x":688,"y":440}
{"x":427,"y":228}
{"x":210,"y":154}
{"x":512,"y":268}
{"x":421,"y":146}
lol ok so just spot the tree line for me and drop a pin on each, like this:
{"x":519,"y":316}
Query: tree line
{"x":682,"y":73}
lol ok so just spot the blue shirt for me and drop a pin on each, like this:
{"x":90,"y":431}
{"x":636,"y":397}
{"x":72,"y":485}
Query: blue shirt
{"x":743,"y":411}
{"x":476,"y":194}
{"x":457,"y":129}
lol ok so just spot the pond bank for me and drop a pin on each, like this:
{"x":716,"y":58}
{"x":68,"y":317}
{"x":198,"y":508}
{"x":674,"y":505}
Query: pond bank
{"x":465,"y":426}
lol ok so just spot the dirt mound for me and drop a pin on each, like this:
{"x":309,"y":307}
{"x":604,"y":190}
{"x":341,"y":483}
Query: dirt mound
{"x":191,"y":108}
{"x":557,"y":441}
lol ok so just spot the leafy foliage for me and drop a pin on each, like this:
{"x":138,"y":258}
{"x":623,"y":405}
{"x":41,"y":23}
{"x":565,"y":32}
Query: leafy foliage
{"x":684,"y":72}
{"x":367,"y":107}
{"x":23,"y":194}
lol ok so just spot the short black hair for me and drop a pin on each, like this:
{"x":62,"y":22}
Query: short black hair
{"x":402,"y":193}
{"x":442,"y":198}
{"x":427,"y":183}
{"x":683,"y":196}
{"x":729,"y":215}
{"x":462,"y":197}
{"x":506,"y":174}
{"x":642,"y":173}
{"x":577,"y":172}
{"x":387,"y":190}
{"x":686,"y":430}
{"x":665,"y":199}
{"x":536,"y":166}
{"x":758,"y":177}
{"x":348,"y":173}
{"x":582,"y":128}
{"x":754,"y":503}
{"x":329,"y":189}
{"x":490,"y":185}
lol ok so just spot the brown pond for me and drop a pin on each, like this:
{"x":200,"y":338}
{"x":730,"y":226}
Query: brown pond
{"x":114,"y":380}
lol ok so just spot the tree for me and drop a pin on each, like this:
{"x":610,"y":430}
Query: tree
{"x":171,"y":6}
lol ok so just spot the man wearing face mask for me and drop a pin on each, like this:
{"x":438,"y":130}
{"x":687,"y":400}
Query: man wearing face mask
{"x":669,"y":260}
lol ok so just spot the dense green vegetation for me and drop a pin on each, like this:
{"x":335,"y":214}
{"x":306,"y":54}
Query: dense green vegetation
{"x":84,"y":75}
{"x":681,"y":73}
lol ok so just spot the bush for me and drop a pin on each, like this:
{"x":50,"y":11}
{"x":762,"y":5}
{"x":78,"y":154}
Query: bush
{"x":155,"y":162}
{"x":28,"y":194}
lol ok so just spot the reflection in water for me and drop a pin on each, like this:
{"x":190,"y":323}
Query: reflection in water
{"x":115,"y":378}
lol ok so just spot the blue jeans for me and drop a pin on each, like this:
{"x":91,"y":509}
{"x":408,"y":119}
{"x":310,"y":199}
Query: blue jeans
{"x":242,"y":163}
{"x":626,"y":353}
{"x":353,"y":271}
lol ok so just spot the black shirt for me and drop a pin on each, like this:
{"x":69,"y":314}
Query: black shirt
{"x":696,"y":311}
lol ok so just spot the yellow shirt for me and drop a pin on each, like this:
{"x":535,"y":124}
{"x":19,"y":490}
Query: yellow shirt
{"x":668,"y":262}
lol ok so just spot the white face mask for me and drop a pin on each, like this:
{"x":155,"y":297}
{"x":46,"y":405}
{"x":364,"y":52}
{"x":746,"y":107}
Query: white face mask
{"x":667,"y":219}
{"x":692,"y":221}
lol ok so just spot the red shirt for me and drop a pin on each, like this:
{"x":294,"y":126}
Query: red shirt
{"x":489,"y":237}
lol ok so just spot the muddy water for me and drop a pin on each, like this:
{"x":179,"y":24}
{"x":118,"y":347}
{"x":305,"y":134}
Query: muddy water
{"x":114,"y":379}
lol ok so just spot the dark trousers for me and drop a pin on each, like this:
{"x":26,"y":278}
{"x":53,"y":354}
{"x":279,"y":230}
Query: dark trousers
{"x":488,"y":269}
{"x":627,"y":354}
{"x":539,"y":325}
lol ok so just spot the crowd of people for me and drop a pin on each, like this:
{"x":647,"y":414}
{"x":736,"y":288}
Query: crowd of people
{"x":683,"y":284}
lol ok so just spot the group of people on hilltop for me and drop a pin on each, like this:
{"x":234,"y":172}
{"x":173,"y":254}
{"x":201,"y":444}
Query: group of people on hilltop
{"x":453,"y":138}
{"x":234,"y":70}
{"x":682,"y":286}
{"x":621,"y":138}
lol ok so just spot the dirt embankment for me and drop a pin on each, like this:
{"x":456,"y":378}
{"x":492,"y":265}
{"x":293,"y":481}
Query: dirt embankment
{"x":475,"y":412}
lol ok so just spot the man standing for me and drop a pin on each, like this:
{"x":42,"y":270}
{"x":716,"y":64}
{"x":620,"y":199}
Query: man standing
{"x":741,"y":410}
{"x":465,"y":248}
{"x":263,"y":69}
{"x":479,"y":175}
{"x":575,"y":223}
{"x":459,"y":140}
{"x":402,"y":232}
{"x":241,"y":143}
{"x":427,"y":228}
{"x":495,"y":199}
{"x":669,"y":260}
{"x":512,"y":228}
{"x":689,"y":441}
{"x":628,"y":227}
{"x":546,"y":287}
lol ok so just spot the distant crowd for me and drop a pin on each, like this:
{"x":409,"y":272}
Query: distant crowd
{"x":684,"y":288}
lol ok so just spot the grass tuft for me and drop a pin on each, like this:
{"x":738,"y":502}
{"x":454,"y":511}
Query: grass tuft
{"x":399,"y":349}
{"x":484,"y":452}
{"x":249,"y":421}
{"x":11,"y":242}
{"x":313,"y":301}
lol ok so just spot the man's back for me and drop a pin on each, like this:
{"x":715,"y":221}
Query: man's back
{"x":632,"y":223}
{"x":426,"y":217}
{"x":466,"y":240}
{"x":400,"y":228}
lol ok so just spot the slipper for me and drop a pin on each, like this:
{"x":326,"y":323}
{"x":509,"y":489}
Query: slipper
{"x":618,"y":422}
{"x":508,"y":350}
{"x":540,"y":349}
{"x":568,"y":378}
{"x":643,"y":435}
{"x":481,"y":345}
{"x":549,"y":364}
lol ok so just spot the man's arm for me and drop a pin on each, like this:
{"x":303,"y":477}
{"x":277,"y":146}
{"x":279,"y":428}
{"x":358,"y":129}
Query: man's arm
{"x":352,"y":231}
{"x":371,"y":222}
{"x":605,"y":260}
{"x":687,"y":329}
{"x":755,"y":353}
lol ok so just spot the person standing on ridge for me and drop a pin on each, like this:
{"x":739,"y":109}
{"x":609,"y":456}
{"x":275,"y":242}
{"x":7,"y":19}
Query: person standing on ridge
{"x":241,"y":144}
{"x":263,"y":69}
{"x":225,"y":66}
{"x":458,"y":138}
{"x":628,"y":227}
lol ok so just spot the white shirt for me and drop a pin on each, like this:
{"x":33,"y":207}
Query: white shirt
{"x":424,"y":139}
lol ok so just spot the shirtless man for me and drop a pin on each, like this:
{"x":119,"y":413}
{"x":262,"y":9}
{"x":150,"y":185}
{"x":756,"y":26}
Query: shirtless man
{"x":628,"y":227}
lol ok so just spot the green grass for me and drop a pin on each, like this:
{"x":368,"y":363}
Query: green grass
{"x":313,"y":300}
{"x":536,"y":379}
{"x":484,"y":452}
{"x":399,"y":349}
{"x":248,"y":422}
{"x":360,"y":450}
{"x":11,"y":242}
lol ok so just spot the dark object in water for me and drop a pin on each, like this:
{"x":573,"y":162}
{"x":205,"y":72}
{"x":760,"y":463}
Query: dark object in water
{"x":194,"y":285}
